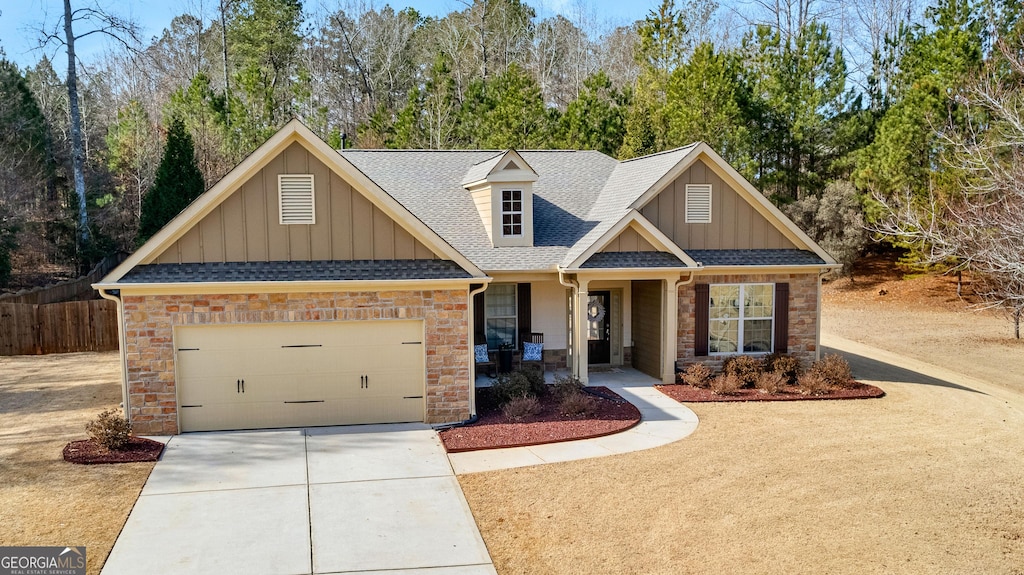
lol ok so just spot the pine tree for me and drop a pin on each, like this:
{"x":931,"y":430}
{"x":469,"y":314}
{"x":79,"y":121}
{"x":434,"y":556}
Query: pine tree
{"x":178,"y":182}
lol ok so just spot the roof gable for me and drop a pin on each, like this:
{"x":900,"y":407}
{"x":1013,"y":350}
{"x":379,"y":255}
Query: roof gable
{"x":293,"y":133}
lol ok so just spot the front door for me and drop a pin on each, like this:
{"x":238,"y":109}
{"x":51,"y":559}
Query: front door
{"x":599,"y":327}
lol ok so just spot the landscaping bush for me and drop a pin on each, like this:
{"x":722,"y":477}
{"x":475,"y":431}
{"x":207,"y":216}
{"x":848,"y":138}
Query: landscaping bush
{"x":110,"y":429}
{"x":745,"y":367}
{"x":770,"y":381}
{"x":577,"y":404}
{"x":726,"y":384}
{"x":789,"y":366}
{"x":519,"y":408}
{"x":697,"y":375}
{"x":813,"y":384}
{"x":567,"y":386}
{"x":834,"y":370}
{"x":516,"y":384}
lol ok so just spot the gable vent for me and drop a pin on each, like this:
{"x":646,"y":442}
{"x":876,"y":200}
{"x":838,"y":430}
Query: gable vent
{"x":698,"y":203}
{"x":295,"y":192}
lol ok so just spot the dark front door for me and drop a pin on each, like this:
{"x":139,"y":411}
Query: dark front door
{"x":599,"y":327}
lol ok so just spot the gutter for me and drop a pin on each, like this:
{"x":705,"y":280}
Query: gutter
{"x":472,"y":357}
{"x":115,"y":296}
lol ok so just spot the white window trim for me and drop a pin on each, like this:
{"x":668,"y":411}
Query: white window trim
{"x":520,"y":212}
{"x":741,"y":319}
{"x":514,"y":317}
{"x":281,"y":178}
{"x":691,"y":191}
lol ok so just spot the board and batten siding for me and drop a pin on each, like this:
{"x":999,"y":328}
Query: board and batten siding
{"x":629,"y":241}
{"x":646,"y":332}
{"x":245,"y":227}
{"x":735,"y":224}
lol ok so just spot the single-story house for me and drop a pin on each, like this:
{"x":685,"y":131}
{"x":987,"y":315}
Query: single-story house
{"x":316,"y":287}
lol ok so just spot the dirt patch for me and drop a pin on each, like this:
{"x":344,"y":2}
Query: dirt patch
{"x":689,"y":394}
{"x":493,"y":430}
{"x":90,"y":452}
{"x":45,"y":402}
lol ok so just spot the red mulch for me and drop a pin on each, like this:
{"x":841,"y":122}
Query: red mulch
{"x":492,"y":430}
{"x":689,"y":394}
{"x":89,"y":452}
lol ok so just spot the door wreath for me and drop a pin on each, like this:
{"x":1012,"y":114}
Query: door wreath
{"x":595,"y":311}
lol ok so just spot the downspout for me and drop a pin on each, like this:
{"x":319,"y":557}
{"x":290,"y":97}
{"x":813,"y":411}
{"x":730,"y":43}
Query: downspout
{"x":572,"y":285}
{"x":673,"y":350}
{"x":472,"y":361}
{"x":116,"y":297}
{"x":817,"y":319}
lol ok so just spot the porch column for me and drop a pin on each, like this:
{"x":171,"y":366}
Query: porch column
{"x":670,"y":320}
{"x":580,"y":342}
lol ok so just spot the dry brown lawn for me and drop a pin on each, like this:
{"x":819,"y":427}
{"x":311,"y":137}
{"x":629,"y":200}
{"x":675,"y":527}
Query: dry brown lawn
{"x":928,"y":480}
{"x":45,"y":402}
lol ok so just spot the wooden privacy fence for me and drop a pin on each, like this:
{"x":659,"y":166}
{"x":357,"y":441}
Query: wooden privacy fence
{"x":31,"y":329}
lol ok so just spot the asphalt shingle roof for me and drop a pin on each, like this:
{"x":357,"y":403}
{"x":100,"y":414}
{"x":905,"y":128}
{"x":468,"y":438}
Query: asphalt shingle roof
{"x":296,"y":271}
{"x":783,"y":257}
{"x":429,"y":184}
{"x":608,"y":260}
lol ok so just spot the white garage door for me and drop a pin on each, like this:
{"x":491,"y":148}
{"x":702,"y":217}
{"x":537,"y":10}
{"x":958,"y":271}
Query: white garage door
{"x":299,"y":374}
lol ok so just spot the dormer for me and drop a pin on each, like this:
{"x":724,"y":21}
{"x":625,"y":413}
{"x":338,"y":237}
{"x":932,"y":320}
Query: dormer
{"x":502,"y":189}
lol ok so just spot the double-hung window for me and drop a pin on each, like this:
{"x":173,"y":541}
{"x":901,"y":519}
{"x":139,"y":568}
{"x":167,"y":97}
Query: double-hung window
{"x":500,"y":307}
{"x":740,"y":318}
{"x":511,"y":213}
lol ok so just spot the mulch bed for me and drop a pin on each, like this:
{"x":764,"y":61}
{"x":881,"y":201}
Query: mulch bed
{"x":689,"y":394}
{"x":89,"y":452}
{"x":492,"y":430}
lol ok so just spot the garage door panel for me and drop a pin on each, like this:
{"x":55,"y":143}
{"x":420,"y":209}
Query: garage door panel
{"x":301,"y":374}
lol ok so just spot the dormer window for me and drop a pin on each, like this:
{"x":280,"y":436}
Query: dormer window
{"x":511,"y":213}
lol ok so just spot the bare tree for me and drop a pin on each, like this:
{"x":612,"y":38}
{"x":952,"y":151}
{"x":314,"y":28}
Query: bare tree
{"x":99,"y":22}
{"x":980,"y":228}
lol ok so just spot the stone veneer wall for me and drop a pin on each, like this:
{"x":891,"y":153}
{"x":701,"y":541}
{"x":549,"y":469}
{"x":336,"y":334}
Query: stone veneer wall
{"x":803,"y":315}
{"x":149,"y":346}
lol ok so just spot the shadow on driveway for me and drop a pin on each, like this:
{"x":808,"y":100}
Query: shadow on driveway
{"x":876,"y":370}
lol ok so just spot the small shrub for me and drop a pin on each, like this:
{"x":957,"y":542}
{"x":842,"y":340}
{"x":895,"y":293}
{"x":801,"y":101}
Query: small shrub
{"x":834,"y":370}
{"x":577,"y":404}
{"x":511,"y":385}
{"x":726,"y":384}
{"x":697,"y":375}
{"x":519,"y":408}
{"x":789,"y":366}
{"x":110,"y":429}
{"x":745,"y":367}
{"x":536,"y":378}
{"x":567,"y":386}
{"x":813,"y":384}
{"x":770,"y":381}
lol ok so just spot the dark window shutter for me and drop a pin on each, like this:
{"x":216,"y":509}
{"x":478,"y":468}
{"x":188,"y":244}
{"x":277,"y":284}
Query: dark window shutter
{"x":700,"y":318}
{"x":781,"y":318}
{"x":524,"y":313}
{"x":479,"y":326}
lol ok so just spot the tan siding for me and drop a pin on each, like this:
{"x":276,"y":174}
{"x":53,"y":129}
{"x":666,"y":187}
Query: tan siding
{"x":646,"y":326}
{"x":341,"y":218}
{"x":246,"y":226}
{"x":212,"y":230}
{"x":629,"y":241}
{"x":362,"y":228}
{"x":735,"y":224}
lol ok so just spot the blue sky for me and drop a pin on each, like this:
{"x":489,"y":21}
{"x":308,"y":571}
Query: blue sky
{"x":20,"y":19}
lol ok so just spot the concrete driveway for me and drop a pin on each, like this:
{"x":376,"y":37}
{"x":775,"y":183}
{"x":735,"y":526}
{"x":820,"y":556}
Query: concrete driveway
{"x":379,"y":498}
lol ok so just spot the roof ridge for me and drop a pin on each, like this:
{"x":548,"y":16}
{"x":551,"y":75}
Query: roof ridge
{"x":662,"y":153}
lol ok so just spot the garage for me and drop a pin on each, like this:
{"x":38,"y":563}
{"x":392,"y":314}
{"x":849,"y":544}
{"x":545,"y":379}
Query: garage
{"x":299,"y":374}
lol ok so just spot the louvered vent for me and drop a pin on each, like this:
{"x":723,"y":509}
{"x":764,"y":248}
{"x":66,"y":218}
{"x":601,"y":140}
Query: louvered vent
{"x":698,"y":203}
{"x":295,"y":192}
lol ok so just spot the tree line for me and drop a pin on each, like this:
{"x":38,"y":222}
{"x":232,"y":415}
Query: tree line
{"x":835,"y":118}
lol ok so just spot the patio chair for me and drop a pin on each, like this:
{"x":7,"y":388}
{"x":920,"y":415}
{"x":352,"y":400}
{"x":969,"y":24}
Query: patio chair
{"x":483,"y":358}
{"x":532,"y":353}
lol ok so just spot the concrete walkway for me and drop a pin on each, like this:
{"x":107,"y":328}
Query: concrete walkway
{"x":300,"y":501}
{"x":664,"y":420}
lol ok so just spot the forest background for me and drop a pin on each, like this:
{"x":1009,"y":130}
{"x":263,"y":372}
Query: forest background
{"x":858,"y":118}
